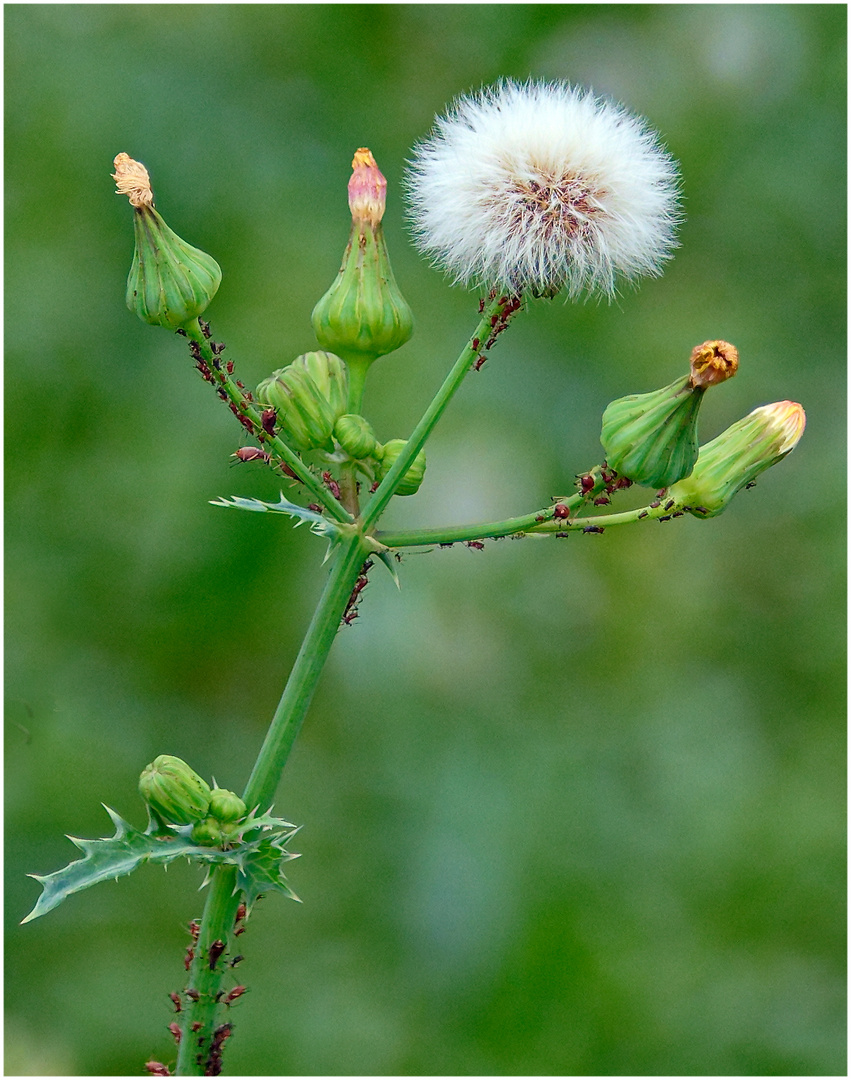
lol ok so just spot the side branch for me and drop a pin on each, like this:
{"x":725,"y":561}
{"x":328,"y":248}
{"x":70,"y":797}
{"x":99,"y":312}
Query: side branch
{"x":241,"y":405}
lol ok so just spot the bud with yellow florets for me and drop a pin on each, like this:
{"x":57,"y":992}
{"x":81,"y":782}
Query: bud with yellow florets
{"x":174,"y":791}
{"x":364,"y":315}
{"x":652,"y":438}
{"x":387,"y":456}
{"x":309,"y":395}
{"x":739,"y":454}
{"x":171,"y":283}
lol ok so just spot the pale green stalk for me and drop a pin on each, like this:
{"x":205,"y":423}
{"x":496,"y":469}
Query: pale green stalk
{"x":386,"y":489}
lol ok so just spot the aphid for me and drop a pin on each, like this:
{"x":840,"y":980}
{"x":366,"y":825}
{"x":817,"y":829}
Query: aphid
{"x":750,"y":485}
{"x":331,"y":484}
{"x":479,"y":364}
{"x":670,"y":503}
{"x":586,"y":483}
{"x":476,"y":545}
{"x":593,"y":529}
{"x":474,"y":344}
{"x":216,"y":950}
{"x":195,"y":930}
{"x":237,"y":992}
{"x":602,"y":500}
{"x":156,"y":1068}
{"x":561,"y":512}
{"x":643,"y":513}
{"x":229,"y":367}
{"x":193,"y":995}
{"x":178,"y":1006}
{"x":190,"y":956}
{"x":252,"y":453}
{"x":267,"y":420}
{"x":236,"y":960}
{"x":174,"y":1028}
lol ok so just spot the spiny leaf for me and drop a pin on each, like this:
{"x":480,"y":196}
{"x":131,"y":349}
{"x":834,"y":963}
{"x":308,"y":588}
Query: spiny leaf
{"x":318,"y":524}
{"x":114,"y":857}
{"x":261,"y":872}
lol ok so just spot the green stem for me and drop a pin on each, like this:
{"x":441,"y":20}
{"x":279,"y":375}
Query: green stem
{"x":301,"y":684}
{"x":358,"y":365}
{"x":489,"y":530}
{"x":665,"y":509}
{"x":203,"y":1008}
{"x":243,"y":408}
{"x":495,"y":312}
{"x":542,"y":522}
{"x":197,"y":1050}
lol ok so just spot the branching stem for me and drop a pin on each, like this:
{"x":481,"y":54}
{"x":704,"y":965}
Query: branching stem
{"x":495,"y":315}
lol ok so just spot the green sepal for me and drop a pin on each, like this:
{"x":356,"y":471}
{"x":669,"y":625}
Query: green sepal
{"x":257,"y":851}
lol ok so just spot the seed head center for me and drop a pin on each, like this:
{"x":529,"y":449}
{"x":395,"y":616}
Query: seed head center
{"x":566,"y":205}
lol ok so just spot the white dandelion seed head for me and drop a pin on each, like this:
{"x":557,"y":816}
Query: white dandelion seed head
{"x":542,"y":187}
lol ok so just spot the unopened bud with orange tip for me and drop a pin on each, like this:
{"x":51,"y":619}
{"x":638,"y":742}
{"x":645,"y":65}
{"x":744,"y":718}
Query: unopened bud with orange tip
{"x":170,"y":283}
{"x":739,"y":454}
{"x":652,"y":438}
{"x":364,"y":315}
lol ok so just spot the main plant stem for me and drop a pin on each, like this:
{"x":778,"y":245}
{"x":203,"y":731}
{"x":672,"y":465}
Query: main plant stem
{"x":202,"y":1034}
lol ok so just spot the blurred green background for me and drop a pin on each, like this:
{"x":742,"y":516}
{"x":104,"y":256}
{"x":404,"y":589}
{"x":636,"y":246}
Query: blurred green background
{"x":569,"y":807}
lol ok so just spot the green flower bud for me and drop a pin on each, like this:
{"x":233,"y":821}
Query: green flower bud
{"x":176,"y":792}
{"x":329,"y":374}
{"x":355,"y":436}
{"x":364,"y":315}
{"x":226,"y":806}
{"x":410,"y":484}
{"x":305,"y":416}
{"x":738,"y":456}
{"x":652,"y":438}
{"x":208,"y":833}
{"x":170,"y":283}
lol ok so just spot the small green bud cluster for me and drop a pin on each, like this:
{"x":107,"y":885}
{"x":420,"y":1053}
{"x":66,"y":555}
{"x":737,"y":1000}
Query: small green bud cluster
{"x":309,"y":396}
{"x":171,"y":283}
{"x":177,"y":795}
{"x":652,"y":438}
{"x":222,"y":823}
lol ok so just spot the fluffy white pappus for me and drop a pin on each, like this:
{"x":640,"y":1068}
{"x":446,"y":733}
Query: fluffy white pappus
{"x":543,"y":187}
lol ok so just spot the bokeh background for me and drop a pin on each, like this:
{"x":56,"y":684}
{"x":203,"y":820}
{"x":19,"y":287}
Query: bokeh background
{"x":569,"y":807}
